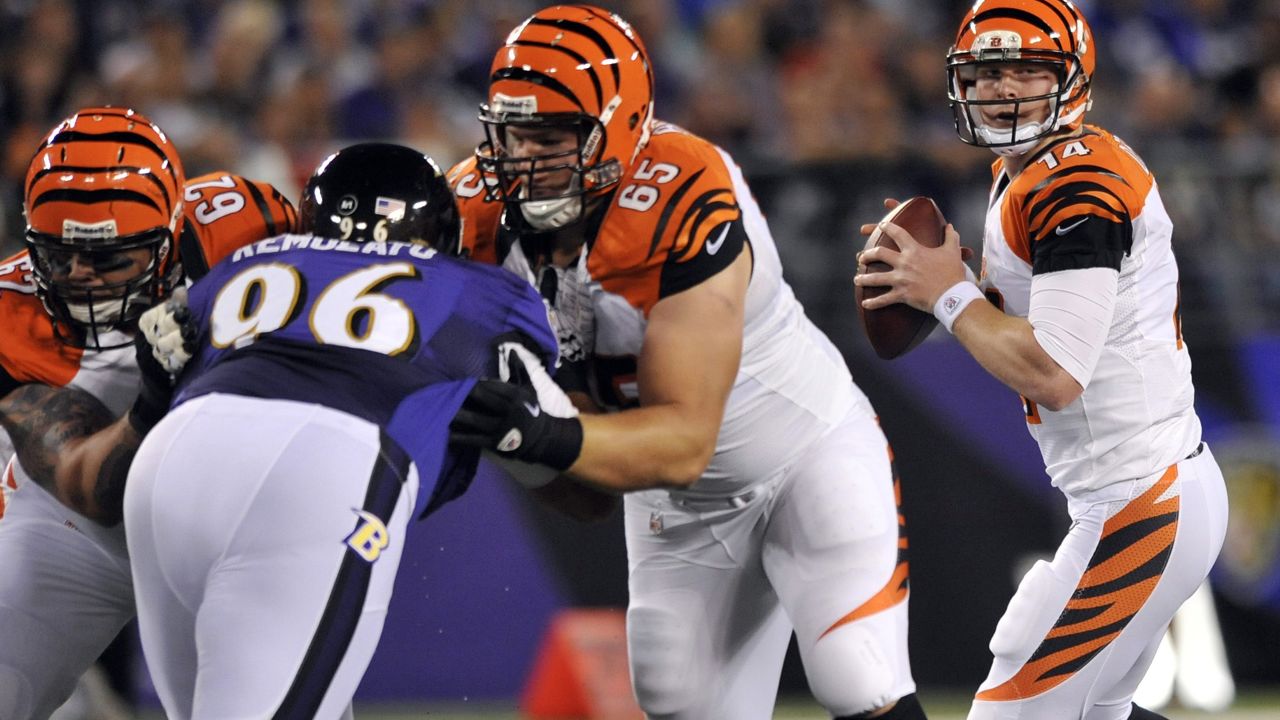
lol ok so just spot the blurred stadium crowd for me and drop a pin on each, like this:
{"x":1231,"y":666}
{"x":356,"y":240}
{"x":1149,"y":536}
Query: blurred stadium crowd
{"x":268,"y":88}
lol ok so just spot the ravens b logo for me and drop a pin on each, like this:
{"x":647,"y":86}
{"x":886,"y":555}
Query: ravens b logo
{"x":369,"y":538}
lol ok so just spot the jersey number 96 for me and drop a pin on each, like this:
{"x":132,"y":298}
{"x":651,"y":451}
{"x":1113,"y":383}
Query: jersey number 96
{"x":347,"y":312}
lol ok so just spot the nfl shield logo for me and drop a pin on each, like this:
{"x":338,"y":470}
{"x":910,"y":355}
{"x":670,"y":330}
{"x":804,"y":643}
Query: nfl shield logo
{"x":655,"y":522}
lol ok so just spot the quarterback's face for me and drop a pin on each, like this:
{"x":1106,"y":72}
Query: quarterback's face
{"x":1013,"y":81}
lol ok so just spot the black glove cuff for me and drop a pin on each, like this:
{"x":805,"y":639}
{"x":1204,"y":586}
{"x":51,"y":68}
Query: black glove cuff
{"x":561,"y":445}
{"x":572,"y":376}
{"x":148,"y":409}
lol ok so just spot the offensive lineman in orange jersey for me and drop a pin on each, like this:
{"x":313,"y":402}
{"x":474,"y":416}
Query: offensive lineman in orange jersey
{"x":1077,"y":253}
{"x":111,"y":230}
{"x":758,"y":490}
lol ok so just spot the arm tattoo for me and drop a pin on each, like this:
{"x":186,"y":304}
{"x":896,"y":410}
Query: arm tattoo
{"x":41,"y":420}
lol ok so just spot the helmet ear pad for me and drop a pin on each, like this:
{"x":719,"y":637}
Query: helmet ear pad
{"x":381,"y":192}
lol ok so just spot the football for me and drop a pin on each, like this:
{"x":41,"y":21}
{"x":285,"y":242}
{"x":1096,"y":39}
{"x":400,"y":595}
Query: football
{"x":896,"y":329}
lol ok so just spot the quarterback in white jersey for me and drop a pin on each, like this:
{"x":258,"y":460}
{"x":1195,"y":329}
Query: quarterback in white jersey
{"x":1077,"y":254}
{"x":759,"y":495}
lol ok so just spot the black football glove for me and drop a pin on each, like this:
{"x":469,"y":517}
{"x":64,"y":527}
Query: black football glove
{"x":508,"y":419}
{"x":155,"y":392}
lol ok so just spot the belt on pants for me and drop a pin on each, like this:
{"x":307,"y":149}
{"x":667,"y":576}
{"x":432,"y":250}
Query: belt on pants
{"x":708,"y":504}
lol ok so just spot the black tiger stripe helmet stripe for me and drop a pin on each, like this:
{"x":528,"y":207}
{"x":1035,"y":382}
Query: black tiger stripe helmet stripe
{"x":104,"y":183}
{"x":569,"y":67}
{"x":1048,"y":32}
{"x":94,"y":156}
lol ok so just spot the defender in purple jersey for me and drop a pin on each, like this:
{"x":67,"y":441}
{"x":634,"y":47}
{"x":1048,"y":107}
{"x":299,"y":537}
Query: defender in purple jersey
{"x":266,"y":513}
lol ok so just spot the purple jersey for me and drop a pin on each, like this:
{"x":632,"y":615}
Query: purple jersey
{"x":393,"y":333}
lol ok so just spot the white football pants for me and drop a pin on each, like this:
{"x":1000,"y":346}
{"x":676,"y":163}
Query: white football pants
{"x":717,"y":585}
{"x":265,"y":537}
{"x":1081,"y":630}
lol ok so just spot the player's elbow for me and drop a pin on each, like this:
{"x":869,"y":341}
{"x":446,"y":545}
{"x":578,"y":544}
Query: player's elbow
{"x":1050,"y":403}
{"x":679,"y":477}
{"x":1057,"y":392}
{"x":689,"y":467}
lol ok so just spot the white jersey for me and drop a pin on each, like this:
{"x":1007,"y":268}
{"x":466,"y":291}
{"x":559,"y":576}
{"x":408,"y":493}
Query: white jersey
{"x":1086,"y":202}
{"x":792,"y":385}
{"x":795,"y":522}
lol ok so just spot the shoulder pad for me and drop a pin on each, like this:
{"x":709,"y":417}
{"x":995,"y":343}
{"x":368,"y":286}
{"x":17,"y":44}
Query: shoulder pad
{"x":1093,"y":174}
{"x":679,"y":190}
{"x":30,"y":352}
{"x":226,"y":211}
{"x":480,"y":215}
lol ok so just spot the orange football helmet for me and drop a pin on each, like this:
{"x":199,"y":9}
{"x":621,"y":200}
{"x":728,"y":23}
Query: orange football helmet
{"x":103,"y":185}
{"x":573,"y":68}
{"x":1051,"y":32}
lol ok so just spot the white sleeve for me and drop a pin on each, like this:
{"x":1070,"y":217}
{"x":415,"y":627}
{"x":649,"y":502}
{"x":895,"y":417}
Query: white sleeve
{"x":1071,"y":313}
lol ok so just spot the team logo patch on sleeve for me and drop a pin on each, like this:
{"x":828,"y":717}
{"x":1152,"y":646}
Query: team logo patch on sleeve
{"x":370,"y":537}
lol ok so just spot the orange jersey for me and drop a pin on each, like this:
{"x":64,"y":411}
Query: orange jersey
{"x":222,"y":212}
{"x":674,"y":223}
{"x":225,"y":212}
{"x":1073,"y":206}
{"x":1089,"y":202}
{"x":682,"y":213}
{"x":480,"y":215}
{"x":650,"y":242}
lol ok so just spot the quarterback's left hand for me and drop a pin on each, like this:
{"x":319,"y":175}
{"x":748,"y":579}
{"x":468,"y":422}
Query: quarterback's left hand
{"x":918,"y":275}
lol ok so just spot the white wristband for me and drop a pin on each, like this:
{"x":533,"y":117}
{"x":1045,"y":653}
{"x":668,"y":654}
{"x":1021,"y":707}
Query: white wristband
{"x":954,"y":300}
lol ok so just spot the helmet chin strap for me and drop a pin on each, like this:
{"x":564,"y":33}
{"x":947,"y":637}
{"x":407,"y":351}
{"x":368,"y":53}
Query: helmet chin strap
{"x":1003,"y":142}
{"x":101,"y":311}
{"x":552,"y":214}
